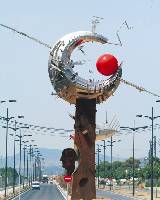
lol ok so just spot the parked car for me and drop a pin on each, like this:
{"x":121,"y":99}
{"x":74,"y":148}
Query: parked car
{"x":35,"y":185}
{"x":50,"y":182}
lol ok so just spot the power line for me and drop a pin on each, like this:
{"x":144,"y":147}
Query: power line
{"x":139,"y":88}
{"x":26,"y":35}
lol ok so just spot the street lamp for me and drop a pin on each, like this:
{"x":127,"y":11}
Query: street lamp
{"x":37,"y":165}
{"x":15,"y":128}
{"x":34,"y":162}
{"x":152,"y":118}
{"x":111,"y":145}
{"x":30,"y":173}
{"x":30,"y":163}
{"x":133,"y":129}
{"x":7,"y":119}
{"x":98,"y":151}
{"x":20,"y":155}
{"x":104,"y":152}
{"x":27,"y":169}
{"x":35,"y":151}
{"x":24,"y":161}
{"x":2,"y":101}
{"x":13,"y":154}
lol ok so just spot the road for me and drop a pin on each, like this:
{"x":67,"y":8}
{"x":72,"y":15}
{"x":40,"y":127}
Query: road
{"x":47,"y":192}
{"x":112,"y":196}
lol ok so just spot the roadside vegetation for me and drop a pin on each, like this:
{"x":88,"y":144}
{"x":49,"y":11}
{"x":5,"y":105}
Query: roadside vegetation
{"x":122,"y":171}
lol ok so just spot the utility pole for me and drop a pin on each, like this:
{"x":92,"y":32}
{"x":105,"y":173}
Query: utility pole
{"x":152,"y":173}
{"x":24,"y":162}
{"x":111,"y":142}
{"x":104,"y":153}
{"x":152,"y":118}
{"x":27,"y":169}
{"x":15,"y":128}
{"x":32,"y":155}
{"x":133,"y":129}
{"x":14,"y":152}
{"x":30,"y":163}
{"x":155,"y":146}
{"x":98,"y":151}
{"x":7,"y":118}
{"x":133,"y":167}
{"x":40,"y":169}
{"x":111,"y":153}
{"x":20,"y":154}
{"x":104,"y":148}
{"x":6,"y":164}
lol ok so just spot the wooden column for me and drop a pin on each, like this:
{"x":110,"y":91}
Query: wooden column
{"x":83,"y":184}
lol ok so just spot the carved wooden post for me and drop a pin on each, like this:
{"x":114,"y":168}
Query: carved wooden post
{"x":83,"y":185}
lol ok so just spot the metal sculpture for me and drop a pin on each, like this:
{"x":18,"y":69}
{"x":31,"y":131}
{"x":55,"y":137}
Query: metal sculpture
{"x":85,"y":94}
{"x":67,"y":83}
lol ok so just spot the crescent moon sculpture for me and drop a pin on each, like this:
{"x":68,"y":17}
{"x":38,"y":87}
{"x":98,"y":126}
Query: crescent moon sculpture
{"x":67,"y":83}
{"x":137,"y":87}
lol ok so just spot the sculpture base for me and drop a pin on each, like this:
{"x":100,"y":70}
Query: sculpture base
{"x":83,"y":184}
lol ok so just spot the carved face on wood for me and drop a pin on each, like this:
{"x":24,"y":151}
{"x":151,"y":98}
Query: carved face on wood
{"x":68,"y":159}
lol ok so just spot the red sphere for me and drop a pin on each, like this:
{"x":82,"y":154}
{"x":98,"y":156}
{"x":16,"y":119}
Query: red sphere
{"x":107,"y":64}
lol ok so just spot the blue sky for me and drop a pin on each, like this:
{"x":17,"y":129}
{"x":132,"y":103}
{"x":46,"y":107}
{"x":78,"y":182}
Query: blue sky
{"x":24,"y":64}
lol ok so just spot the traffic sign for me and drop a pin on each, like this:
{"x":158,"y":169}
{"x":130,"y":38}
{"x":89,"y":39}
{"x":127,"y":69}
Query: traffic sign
{"x":67,"y":179}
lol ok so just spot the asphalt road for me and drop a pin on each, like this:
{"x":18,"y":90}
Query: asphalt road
{"x":47,"y":192}
{"x":112,"y":196}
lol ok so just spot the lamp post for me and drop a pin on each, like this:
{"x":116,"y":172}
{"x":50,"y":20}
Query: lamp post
{"x":7,"y":118}
{"x":30,"y":164}
{"x":39,"y":167}
{"x":15,"y":128}
{"x":27,"y":169}
{"x":37,"y":163}
{"x":152,"y":118}
{"x":111,"y":145}
{"x":133,"y":149}
{"x":98,"y":151}
{"x":6,"y":158}
{"x":24,"y":161}
{"x":20,"y":155}
{"x":104,"y":152}
{"x":34,"y":161}
{"x":30,"y":161}
{"x":13,"y":155}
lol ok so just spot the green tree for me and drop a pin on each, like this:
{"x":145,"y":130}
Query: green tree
{"x":119,"y":169}
{"x":10,"y":173}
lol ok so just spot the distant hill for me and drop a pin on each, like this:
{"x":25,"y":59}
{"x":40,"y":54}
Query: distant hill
{"x":51,"y":165}
{"x":52,"y":161}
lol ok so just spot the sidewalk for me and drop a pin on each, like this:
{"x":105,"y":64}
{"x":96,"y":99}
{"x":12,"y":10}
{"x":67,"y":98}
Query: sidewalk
{"x":10,"y":192}
{"x":141,"y":194}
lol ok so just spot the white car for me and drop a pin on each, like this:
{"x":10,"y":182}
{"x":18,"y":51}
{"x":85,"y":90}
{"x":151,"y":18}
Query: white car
{"x":50,"y":182}
{"x":35,"y":185}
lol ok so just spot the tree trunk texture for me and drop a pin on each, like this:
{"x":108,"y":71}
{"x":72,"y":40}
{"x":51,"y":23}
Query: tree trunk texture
{"x":83,"y":184}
